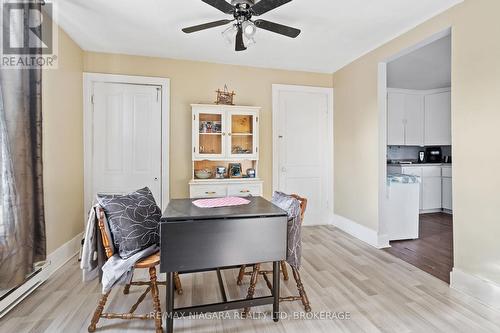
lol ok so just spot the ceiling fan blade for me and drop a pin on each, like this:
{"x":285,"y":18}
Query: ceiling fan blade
{"x":206,"y":26}
{"x":264,"y":6}
{"x":277,"y":28}
{"x":240,"y":45}
{"x":221,"y":5}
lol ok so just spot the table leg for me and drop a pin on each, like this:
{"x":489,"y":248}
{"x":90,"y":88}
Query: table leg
{"x":169,"y":324}
{"x":276,"y":290}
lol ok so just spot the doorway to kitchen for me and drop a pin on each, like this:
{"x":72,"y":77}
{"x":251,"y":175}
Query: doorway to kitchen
{"x":416,"y":211}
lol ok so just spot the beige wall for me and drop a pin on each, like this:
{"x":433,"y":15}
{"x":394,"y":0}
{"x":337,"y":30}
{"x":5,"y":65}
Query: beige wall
{"x":196,"y":82}
{"x":475,"y":121}
{"x":63,"y":145}
{"x":191,"y":82}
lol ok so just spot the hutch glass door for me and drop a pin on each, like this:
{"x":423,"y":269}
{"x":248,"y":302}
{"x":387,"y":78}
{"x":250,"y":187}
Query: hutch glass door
{"x":210,"y":134}
{"x":242,"y":134}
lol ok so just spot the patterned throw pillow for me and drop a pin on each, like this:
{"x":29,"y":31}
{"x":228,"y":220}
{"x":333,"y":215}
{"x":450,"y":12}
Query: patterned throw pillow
{"x":134,"y":220}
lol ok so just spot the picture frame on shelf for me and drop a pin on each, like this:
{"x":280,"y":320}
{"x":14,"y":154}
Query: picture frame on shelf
{"x":234,"y":170}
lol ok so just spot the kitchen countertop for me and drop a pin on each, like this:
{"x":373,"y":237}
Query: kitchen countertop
{"x":449,"y":165}
{"x":402,"y":179}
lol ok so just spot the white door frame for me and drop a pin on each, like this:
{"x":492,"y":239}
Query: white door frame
{"x":89,"y":79}
{"x":383,"y":241}
{"x":277,"y":89}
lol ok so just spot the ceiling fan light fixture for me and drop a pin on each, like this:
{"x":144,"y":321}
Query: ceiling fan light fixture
{"x":230,"y":34}
{"x":249,"y":29}
{"x":243,"y":29}
{"x":249,"y":41}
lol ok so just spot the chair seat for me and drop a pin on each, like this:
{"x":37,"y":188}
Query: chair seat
{"x":150,"y":261}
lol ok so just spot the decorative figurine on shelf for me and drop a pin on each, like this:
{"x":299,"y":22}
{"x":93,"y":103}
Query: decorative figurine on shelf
{"x":224,"y":96}
{"x":251,"y":173}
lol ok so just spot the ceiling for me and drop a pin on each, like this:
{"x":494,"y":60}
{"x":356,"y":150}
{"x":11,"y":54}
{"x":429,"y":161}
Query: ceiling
{"x":334,"y":32}
{"x":426,"y":68}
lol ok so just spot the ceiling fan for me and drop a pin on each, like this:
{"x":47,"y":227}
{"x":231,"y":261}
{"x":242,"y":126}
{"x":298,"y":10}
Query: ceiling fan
{"x":243,"y":27}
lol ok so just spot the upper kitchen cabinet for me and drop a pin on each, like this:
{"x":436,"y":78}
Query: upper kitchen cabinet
{"x":418,"y":118}
{"x":438,"y":119}
{"x":396,"y":119}
{"x":405,"y":119}
{"x":414,"y":127}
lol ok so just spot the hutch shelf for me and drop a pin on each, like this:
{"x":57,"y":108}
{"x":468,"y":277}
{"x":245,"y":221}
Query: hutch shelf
{"x":224,"y":136}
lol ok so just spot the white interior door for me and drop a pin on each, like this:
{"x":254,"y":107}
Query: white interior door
{"x":126,"y":138}
{"x":303,"y":134}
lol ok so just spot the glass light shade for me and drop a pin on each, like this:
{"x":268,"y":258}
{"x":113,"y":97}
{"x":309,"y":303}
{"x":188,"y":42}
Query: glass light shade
{"x":229,"y":34}
{"x":249,"y":29}
{"x":249,"y":41}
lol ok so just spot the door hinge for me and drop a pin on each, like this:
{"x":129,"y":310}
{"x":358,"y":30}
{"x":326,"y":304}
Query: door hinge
{"x":194,"y":117}
{"x":256,"y":119}
{"x":158,"y":94}
{"x":194,"y":149}
{"x":256,"y":149}
{"x":92,"y":99}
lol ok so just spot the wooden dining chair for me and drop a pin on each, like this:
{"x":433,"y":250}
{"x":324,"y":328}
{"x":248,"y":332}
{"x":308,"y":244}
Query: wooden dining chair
{"x":149,"y":263}
{"x":256,"y":272}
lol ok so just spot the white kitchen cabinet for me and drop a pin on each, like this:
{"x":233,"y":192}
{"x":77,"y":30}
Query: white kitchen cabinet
{"x":414,"y":124}
{"x":431,"y":193}
{"x":447,"y":194}
{"x":415,"y":171}
{"x":447,"y":189}
{"x":396,"y":119}
{"x":438,"y":119}
{"x":405,"y":119}
{"x":418,"y":118}
{"x":435,"y":184}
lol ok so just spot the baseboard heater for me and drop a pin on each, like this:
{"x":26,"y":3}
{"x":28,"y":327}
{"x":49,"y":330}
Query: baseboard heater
{"x":15,"y":295}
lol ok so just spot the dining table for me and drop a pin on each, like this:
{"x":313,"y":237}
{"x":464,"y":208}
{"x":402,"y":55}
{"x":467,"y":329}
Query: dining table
{"x":194,"y":239}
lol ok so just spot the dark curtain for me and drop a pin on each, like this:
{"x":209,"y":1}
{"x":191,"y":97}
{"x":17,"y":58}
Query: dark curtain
{"x":22,"y":224}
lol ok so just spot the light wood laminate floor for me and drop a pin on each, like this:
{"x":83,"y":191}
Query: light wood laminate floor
{"x":381,"y":292}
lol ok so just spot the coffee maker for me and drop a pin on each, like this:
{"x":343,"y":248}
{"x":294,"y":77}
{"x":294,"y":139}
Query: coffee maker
{"x":433,"y":155}
{"x":421,"y":157}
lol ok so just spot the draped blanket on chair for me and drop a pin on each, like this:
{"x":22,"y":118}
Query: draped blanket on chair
{"x":292,"y":208}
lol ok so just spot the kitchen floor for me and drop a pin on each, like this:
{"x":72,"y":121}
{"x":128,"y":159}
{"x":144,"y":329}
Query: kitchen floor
{"x":433,"y":251}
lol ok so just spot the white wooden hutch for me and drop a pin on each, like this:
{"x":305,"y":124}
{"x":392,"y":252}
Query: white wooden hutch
{"x":224,"y":134}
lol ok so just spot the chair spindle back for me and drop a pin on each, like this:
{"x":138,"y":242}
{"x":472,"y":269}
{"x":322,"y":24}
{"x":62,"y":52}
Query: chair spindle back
{"x":106,"y":242}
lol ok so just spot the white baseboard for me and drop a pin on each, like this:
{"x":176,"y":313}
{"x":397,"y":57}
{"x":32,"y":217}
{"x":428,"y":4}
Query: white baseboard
{"x":487,"y":292}
{"x":430,"y":211}
{"x":361,"y":232}
{"x":54,"y":261}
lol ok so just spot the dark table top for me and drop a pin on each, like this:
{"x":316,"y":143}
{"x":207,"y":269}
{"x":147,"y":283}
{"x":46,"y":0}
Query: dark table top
{"x":184,"y":209}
